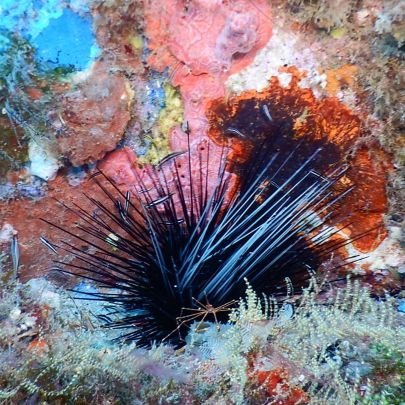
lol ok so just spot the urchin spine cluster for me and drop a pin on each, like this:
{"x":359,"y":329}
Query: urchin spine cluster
{"x":170,"y":246}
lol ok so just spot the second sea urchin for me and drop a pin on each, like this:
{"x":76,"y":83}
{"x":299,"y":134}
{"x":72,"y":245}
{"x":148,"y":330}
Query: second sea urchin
{"x":187,"y":241}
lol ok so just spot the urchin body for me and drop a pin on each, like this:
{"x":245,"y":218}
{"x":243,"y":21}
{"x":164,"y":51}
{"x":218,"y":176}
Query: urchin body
{"x":183,"y":243}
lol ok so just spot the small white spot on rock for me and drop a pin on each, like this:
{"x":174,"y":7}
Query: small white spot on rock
{"x":43,"y":163}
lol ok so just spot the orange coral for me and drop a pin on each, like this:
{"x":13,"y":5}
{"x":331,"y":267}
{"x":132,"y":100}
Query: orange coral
{"x":39,"y":346}
{"x":275,"y":382}
{"x":296,"y":114}
{"x":369,"y":169}
{"x":327,"y":119}
{"x":337,"y":79}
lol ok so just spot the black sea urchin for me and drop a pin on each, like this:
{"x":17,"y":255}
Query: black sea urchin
{"x":182,"y":241}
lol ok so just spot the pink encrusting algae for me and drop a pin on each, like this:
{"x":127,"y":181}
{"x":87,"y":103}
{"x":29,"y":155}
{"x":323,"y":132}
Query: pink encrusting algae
{"x":202,"y":44}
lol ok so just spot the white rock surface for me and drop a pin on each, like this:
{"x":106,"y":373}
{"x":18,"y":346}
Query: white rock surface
{"x":43,"y":162}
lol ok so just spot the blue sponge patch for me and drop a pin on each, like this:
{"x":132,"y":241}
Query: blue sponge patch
{"x":67,"y":41}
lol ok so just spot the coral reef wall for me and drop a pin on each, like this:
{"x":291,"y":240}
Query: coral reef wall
{"x":125,"y":82}
{"x":122,"y":87}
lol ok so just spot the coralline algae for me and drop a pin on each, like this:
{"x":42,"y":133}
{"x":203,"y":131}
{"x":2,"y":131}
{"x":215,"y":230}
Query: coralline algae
{"x":202,"y":44}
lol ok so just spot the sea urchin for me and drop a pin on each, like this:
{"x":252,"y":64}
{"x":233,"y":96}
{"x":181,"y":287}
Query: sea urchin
{"x":182,"y":242}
